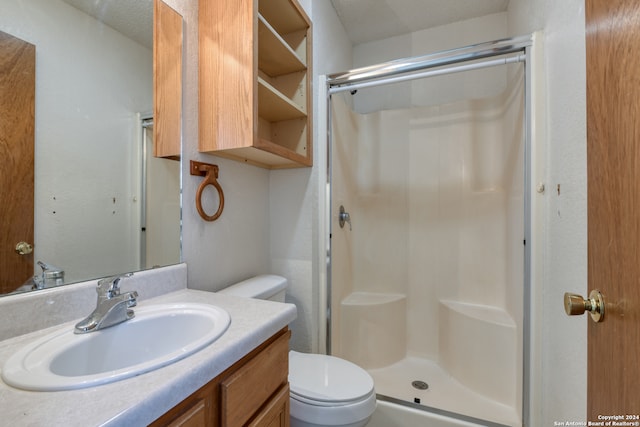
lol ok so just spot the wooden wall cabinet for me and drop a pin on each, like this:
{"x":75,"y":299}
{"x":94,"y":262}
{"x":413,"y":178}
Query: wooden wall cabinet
{"x":167,"y":81}
{"x":253,"y":392}
{"x":254,"y":82}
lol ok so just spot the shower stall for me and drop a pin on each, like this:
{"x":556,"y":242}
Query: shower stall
{"x":428,"y":266}
{"x":159,"y":180}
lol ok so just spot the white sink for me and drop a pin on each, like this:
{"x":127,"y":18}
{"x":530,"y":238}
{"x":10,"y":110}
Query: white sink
{"x":157,"y":336}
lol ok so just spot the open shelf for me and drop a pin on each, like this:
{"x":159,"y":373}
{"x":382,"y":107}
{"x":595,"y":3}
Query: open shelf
{"x":275,"y":56}
{"x":283,"y":15}
{"x":275,"y":107}
{"x":256,"y":107}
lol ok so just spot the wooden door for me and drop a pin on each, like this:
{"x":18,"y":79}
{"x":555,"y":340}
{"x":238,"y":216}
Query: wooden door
{"x":17,"y":103}
{"x":613,"y":164}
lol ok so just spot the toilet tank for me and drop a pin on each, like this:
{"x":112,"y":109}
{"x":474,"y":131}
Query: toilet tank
{"x":266,"y":286}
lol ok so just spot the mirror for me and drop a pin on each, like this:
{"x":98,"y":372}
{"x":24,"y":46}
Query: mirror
{"x":103,"y":204}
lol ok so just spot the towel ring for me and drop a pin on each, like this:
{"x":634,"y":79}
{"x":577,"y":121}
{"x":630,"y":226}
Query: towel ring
{"x":210,"y":173}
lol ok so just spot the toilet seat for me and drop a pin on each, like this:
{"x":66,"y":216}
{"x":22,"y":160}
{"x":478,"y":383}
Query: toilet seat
{"x":328,"y":391}
{"x":323,"y":380}
{"x":320,"y":403}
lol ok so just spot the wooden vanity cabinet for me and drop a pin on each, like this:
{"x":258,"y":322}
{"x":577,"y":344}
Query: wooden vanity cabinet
{"x":253,"y":392}
{"x":254,"y":82}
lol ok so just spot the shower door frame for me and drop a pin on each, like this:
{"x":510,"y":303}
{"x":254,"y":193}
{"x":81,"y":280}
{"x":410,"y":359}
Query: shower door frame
{"x":146,"y":122}
{"x":482,"y":55}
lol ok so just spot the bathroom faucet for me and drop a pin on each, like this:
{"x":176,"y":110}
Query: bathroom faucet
{"x":112,"y":307}
{"x":51,"y":276}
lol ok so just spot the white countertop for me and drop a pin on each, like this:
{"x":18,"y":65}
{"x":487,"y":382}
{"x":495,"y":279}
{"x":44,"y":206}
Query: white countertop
{"x":140,"y":400}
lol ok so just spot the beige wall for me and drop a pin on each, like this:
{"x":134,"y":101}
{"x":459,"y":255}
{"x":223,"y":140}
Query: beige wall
{"x":559,"y":354}
{"x":270,"y":219}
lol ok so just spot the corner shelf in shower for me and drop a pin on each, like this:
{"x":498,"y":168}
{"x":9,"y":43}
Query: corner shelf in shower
{"x":254,"y":82}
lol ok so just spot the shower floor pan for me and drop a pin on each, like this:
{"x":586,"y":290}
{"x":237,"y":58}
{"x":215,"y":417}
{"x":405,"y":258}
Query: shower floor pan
{"x":444,"y":392}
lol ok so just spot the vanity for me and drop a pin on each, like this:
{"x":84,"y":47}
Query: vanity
{"x":254,"y":391}
{"x":239,"y":379}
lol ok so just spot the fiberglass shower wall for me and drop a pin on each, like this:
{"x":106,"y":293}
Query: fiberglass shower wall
{"x":433,"y":265}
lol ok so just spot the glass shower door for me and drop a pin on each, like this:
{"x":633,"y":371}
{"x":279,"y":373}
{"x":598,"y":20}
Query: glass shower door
{"x":427,"y":279}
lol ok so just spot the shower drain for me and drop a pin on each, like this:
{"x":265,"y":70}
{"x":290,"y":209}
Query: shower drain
{"x":420,"y":385}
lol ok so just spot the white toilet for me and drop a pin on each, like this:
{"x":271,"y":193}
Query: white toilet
{"x":325,"y":390}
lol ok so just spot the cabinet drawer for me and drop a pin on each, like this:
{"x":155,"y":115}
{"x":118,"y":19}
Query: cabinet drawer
{"x":246,"y":390}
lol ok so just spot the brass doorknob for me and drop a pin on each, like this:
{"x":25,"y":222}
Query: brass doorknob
{"x":23,"y":248}
{"x":574,"y":305}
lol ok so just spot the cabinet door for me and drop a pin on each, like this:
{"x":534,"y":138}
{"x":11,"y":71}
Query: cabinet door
{"x":245,"y":391}
{"x":196,"y":416}
{"x":276,"y":412}
{"x":195,"y":411}
{"x":253,"y":392}
{"x":167,"y":81}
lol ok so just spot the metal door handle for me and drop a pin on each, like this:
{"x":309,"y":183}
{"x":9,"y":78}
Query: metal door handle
{"x":574,"y":305}
{"x":23,"y":248}
{"x":343,"y":217}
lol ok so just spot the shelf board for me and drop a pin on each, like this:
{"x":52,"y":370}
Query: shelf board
{"x":273,"y":106}
{"x":283,"y":17}
{"x":290,"y":156}
{"x":275,"y":56}
{"x":266,"y":154}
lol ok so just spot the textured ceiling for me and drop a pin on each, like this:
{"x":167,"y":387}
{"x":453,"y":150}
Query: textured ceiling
{"x":368,"y":20}
{"x":133,"y":18}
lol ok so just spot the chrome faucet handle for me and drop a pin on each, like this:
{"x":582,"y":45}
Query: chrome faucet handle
{"x":46,"y":267}
{"x":109,"y":287}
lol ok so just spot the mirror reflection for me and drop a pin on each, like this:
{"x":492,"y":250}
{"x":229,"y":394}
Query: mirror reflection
{"x":101,"y":204}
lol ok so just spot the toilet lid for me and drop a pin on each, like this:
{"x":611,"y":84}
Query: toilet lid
{"x":323,"y":378}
